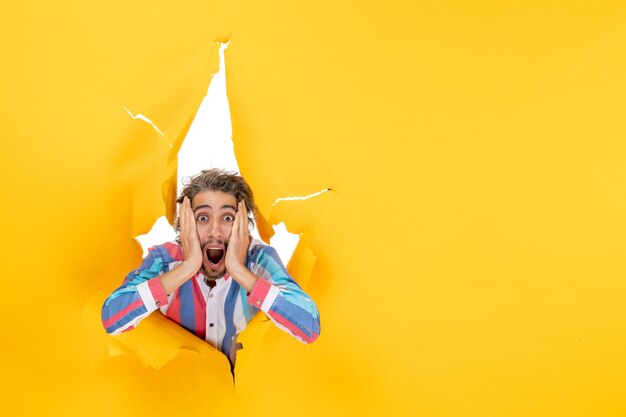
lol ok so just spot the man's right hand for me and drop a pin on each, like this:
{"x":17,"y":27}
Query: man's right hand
{"x":189,"y":238}
{"x":192,"y":251}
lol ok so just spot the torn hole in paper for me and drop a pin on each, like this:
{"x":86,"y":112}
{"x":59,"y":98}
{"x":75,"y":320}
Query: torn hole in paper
{"x":140,"y":116}
{"x":209,"y":144}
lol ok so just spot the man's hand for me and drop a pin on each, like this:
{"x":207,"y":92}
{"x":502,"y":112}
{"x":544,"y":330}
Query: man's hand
{"x":192,"y":251}
{"x":189,"y":238}
{"x":239,"y":240}
{"x":238,"y":249}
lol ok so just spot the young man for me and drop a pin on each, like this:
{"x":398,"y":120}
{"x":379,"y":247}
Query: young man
{"x":214,"y":278}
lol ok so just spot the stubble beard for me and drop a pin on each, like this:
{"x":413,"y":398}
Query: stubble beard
{"x":211,"y":274}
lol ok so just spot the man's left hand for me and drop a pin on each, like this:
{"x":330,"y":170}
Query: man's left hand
{"x":239,"y":240}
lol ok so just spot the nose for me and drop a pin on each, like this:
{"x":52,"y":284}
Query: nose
{"x":214,"y":229}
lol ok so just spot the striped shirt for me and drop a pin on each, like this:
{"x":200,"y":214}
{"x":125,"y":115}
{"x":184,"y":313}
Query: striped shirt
{"x":216,"y":314}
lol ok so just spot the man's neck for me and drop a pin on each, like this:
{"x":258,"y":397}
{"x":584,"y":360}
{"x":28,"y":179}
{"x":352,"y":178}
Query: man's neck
{"x":209,"y":282}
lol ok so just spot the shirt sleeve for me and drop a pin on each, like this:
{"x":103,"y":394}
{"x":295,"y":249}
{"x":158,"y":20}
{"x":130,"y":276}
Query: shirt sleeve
{"x":281,"y":298}
{"x":139,"y":295}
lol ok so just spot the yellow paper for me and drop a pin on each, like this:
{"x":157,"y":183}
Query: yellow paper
{"x":468,"y":262}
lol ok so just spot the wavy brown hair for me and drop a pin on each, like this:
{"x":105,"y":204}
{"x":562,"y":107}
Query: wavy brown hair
{"x":218,"y":180}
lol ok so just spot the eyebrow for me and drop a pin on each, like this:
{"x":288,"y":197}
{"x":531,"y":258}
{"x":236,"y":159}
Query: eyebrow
{"x":225,"y":206}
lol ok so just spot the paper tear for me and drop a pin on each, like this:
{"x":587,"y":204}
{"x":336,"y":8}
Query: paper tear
{"x":299,"y":198}
{"x":284,"y":242}
{"x":208,"y":143}
{"x":145,"y":119}
{"x":160,"y":232}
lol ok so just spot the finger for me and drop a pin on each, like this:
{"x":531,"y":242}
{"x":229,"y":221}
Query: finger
{"x":184,"y":215}
{"x":235,"y":230}
{"x":239,"y":216}
{"x":190,"y":221}
{"x":191,"y":217}
{"x":244,"y":217}
{"x":245,"y":227}
{"x":240,"y":228}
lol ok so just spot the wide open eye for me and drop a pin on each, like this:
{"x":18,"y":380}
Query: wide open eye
{"x":229,"y":218}
{"x":202,"y":218}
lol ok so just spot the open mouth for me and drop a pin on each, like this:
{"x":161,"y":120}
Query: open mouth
{"x":215,"y":256}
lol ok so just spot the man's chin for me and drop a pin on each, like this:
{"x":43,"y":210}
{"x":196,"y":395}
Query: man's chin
{"x":213,"y":274}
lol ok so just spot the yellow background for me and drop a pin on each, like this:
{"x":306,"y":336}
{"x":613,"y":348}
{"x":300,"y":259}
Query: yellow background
{"x":469,"y":260}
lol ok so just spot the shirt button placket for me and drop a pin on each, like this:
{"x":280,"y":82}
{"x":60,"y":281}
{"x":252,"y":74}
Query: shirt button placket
{"x":211,"y":328}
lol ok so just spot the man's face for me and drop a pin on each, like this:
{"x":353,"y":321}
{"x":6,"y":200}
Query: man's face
{"x":214,"y":212}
